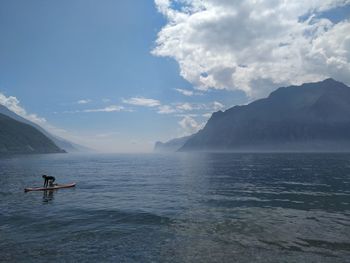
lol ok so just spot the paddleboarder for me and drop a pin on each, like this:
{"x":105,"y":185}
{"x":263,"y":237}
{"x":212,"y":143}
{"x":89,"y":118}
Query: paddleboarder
{"x":48,"y":180}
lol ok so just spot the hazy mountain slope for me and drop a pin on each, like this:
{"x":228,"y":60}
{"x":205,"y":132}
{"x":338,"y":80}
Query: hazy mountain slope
{"x":310,"y":117}
{"x":17,"y":137}
{"x":170,"y":146}
{"x":62,"y":143}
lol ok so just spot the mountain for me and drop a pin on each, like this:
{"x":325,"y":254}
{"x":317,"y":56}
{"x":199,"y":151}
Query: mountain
{"x":310,"y":117}
{"x":18,"y":138}
{"x":62,"y":143}
{"x":170,"y":146}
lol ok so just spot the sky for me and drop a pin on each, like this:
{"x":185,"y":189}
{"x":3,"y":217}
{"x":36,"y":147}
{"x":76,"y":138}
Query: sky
{"x":117,"y":76}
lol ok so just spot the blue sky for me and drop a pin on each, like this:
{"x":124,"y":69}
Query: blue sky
{"x":119,"y":75}
{"x":55,"y":53}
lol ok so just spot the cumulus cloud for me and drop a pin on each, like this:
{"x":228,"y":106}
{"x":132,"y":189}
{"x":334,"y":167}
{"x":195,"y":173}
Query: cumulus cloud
{"x":254,"y":45}
{"x":13,"y":104}
{"x":190,"y":125}
{"x":83,"y":101}
{"x":140,"y":101}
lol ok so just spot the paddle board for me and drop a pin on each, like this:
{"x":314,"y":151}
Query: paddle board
{"x":59,"y":186}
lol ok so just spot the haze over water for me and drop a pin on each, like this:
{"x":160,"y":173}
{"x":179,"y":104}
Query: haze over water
{"x":177,"y":208}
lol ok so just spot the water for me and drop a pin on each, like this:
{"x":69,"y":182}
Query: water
{"x":177,"y":208}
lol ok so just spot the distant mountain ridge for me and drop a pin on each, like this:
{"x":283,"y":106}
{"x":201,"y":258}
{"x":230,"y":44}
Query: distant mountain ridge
{"x":61,"y":143}
{"x":310,"y":117}
{"x":171,"y":145}
{"x":20,"y":138}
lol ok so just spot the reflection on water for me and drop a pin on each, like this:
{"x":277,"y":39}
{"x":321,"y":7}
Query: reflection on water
{"x":178,"y":208}
{"x":47,"y":196}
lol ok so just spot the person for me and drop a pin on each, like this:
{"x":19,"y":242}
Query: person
{"x":48,"y":180}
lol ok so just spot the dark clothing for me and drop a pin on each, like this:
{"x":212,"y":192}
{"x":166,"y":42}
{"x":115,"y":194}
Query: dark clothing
{"x":48,"y":180}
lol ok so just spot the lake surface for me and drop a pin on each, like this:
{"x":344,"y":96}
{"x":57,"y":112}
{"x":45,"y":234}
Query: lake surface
{"x":177,"y":208}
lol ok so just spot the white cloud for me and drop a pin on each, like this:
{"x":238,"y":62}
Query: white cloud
{"x":217,"y":105}
{"x":184,"y":106}
{"x":140,"y":101}
{"x":186,"y":114}
{"x":13,"y":104}
{"x":207,"y":115}
{"x":185,"y":92}
{"x":181,"y":107}
{"x":111,"y":108}
{"x":107,"y":134}
{"x":190,"y":125}
{"x":83,"y":101}
{"x":165,"y":109}
{"x":254,"y":45}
